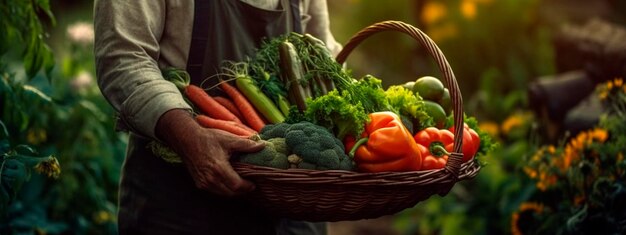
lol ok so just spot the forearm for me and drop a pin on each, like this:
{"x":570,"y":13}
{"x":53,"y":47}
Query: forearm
{"x":175,"y":126}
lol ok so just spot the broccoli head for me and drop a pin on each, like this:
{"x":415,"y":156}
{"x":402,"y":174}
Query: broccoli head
{"x":271,"y":131}
{"x":273,"y":155}
{"x":317,"y":146}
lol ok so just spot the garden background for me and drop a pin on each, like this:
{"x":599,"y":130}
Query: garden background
{"x":61,"y":157}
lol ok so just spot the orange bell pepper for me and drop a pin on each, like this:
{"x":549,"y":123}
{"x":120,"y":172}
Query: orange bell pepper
{"x":386,"y":145}
{"x":435,"y":145}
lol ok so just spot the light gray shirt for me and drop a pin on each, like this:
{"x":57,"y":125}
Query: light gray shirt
{"x":134,"y":39}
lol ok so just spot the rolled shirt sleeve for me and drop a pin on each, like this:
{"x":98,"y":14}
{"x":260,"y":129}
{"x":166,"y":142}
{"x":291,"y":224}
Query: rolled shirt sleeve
{"x":127,"y":51}
{"x":317,"y":23}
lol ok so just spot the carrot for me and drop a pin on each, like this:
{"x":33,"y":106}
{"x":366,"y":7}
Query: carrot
{"x":228,"y":104}
{"x":208,"y":105}
{"x":229,"y":126}
{"x":245,"y":108}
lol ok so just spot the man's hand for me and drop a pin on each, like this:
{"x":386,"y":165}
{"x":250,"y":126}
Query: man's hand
{"x":206,"y":152}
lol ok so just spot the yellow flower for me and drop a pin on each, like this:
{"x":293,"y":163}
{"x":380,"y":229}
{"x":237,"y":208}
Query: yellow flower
{"x":36,"y":136}
{"x":512,"y":122}
{"x":524,"y":207}
{"x":433,"y":12}
{"x":468,"y":9}
{"x":50,"y":167}
{"x":443,"y":32}
{"x":605,"y":90}
{"x":102,"y":217}
{"x":514,"y":228}
{"x":491,"y":128}
{"x":605,"y":94}
{"x":531,"y":206}
{"x":532,"y":173}
{"x":569,"y":155}
{"x":580,"y":141}
{"x":545,"y":181}
{"x":599,"y":134}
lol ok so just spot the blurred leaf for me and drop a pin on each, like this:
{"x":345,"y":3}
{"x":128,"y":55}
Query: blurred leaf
{"x":31,"y":57}
{"x":44,"y":5}
{"x":49,"y":62}
{"x":92,"y":110}
{"x":23,"y":149}
{"x":4,"y":133}
{"x":12,"y":176}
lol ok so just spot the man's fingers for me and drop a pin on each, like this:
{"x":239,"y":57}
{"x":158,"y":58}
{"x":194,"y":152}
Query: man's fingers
{"x":246,"y":146}
{"x":233,"y":181}
{"x":236,"y":143}
{"x":220,"y":189}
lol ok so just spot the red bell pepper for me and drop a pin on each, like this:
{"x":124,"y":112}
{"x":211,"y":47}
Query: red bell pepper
{"x":471,"y":142}
{"x":435,"y":145}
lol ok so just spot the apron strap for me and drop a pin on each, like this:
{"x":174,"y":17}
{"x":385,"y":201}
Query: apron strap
{"x":295,"y":13}
{"x":199,"y":37}
{"x":200,"y":34}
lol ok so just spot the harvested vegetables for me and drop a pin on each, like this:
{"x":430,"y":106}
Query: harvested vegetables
{"x":337,"y":113}
{"x":240,"y":72}
{"x":435,"y":145}
{"x":274,"y":154}
{"x":407,"y":104}
{"x":249,"y":113}
{"x":438,"y":143}
{"x":386,"y":145}
{"x":471,"y":142}
{"x":315,"y":105}
{"x":292,"y":74}
{"x":197,"y":97}
{"x":309,"y":146}
{"x":232,"y":127}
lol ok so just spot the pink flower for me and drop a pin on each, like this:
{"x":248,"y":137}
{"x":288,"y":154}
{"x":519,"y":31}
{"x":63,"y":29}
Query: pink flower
{"x":81,"y":33}
{"x":82,"y":81}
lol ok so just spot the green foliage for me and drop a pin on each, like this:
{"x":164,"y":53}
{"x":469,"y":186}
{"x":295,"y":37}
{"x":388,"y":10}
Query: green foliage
{"x":337,"y":113}
{"x":317,"y":63}
{"x":57,"y":113}
{"x":79,"y":132}
{"x":406,"y":103}
{"x":22,"y":28}
{"x":581,"y":186}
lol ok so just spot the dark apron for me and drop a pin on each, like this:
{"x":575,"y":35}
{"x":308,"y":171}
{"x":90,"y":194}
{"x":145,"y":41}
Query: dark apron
{"x":157,"y":197}
{"x":232,"y":30}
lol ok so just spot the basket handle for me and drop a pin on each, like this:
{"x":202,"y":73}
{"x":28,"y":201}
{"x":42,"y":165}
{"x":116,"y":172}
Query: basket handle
{"x":454,"y":162}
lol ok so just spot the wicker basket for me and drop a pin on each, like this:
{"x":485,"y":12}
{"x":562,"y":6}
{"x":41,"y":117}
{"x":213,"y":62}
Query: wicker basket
{"x":335,"y":195}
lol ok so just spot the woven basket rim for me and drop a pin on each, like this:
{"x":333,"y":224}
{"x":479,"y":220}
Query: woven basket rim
{"x":308,"y":176}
